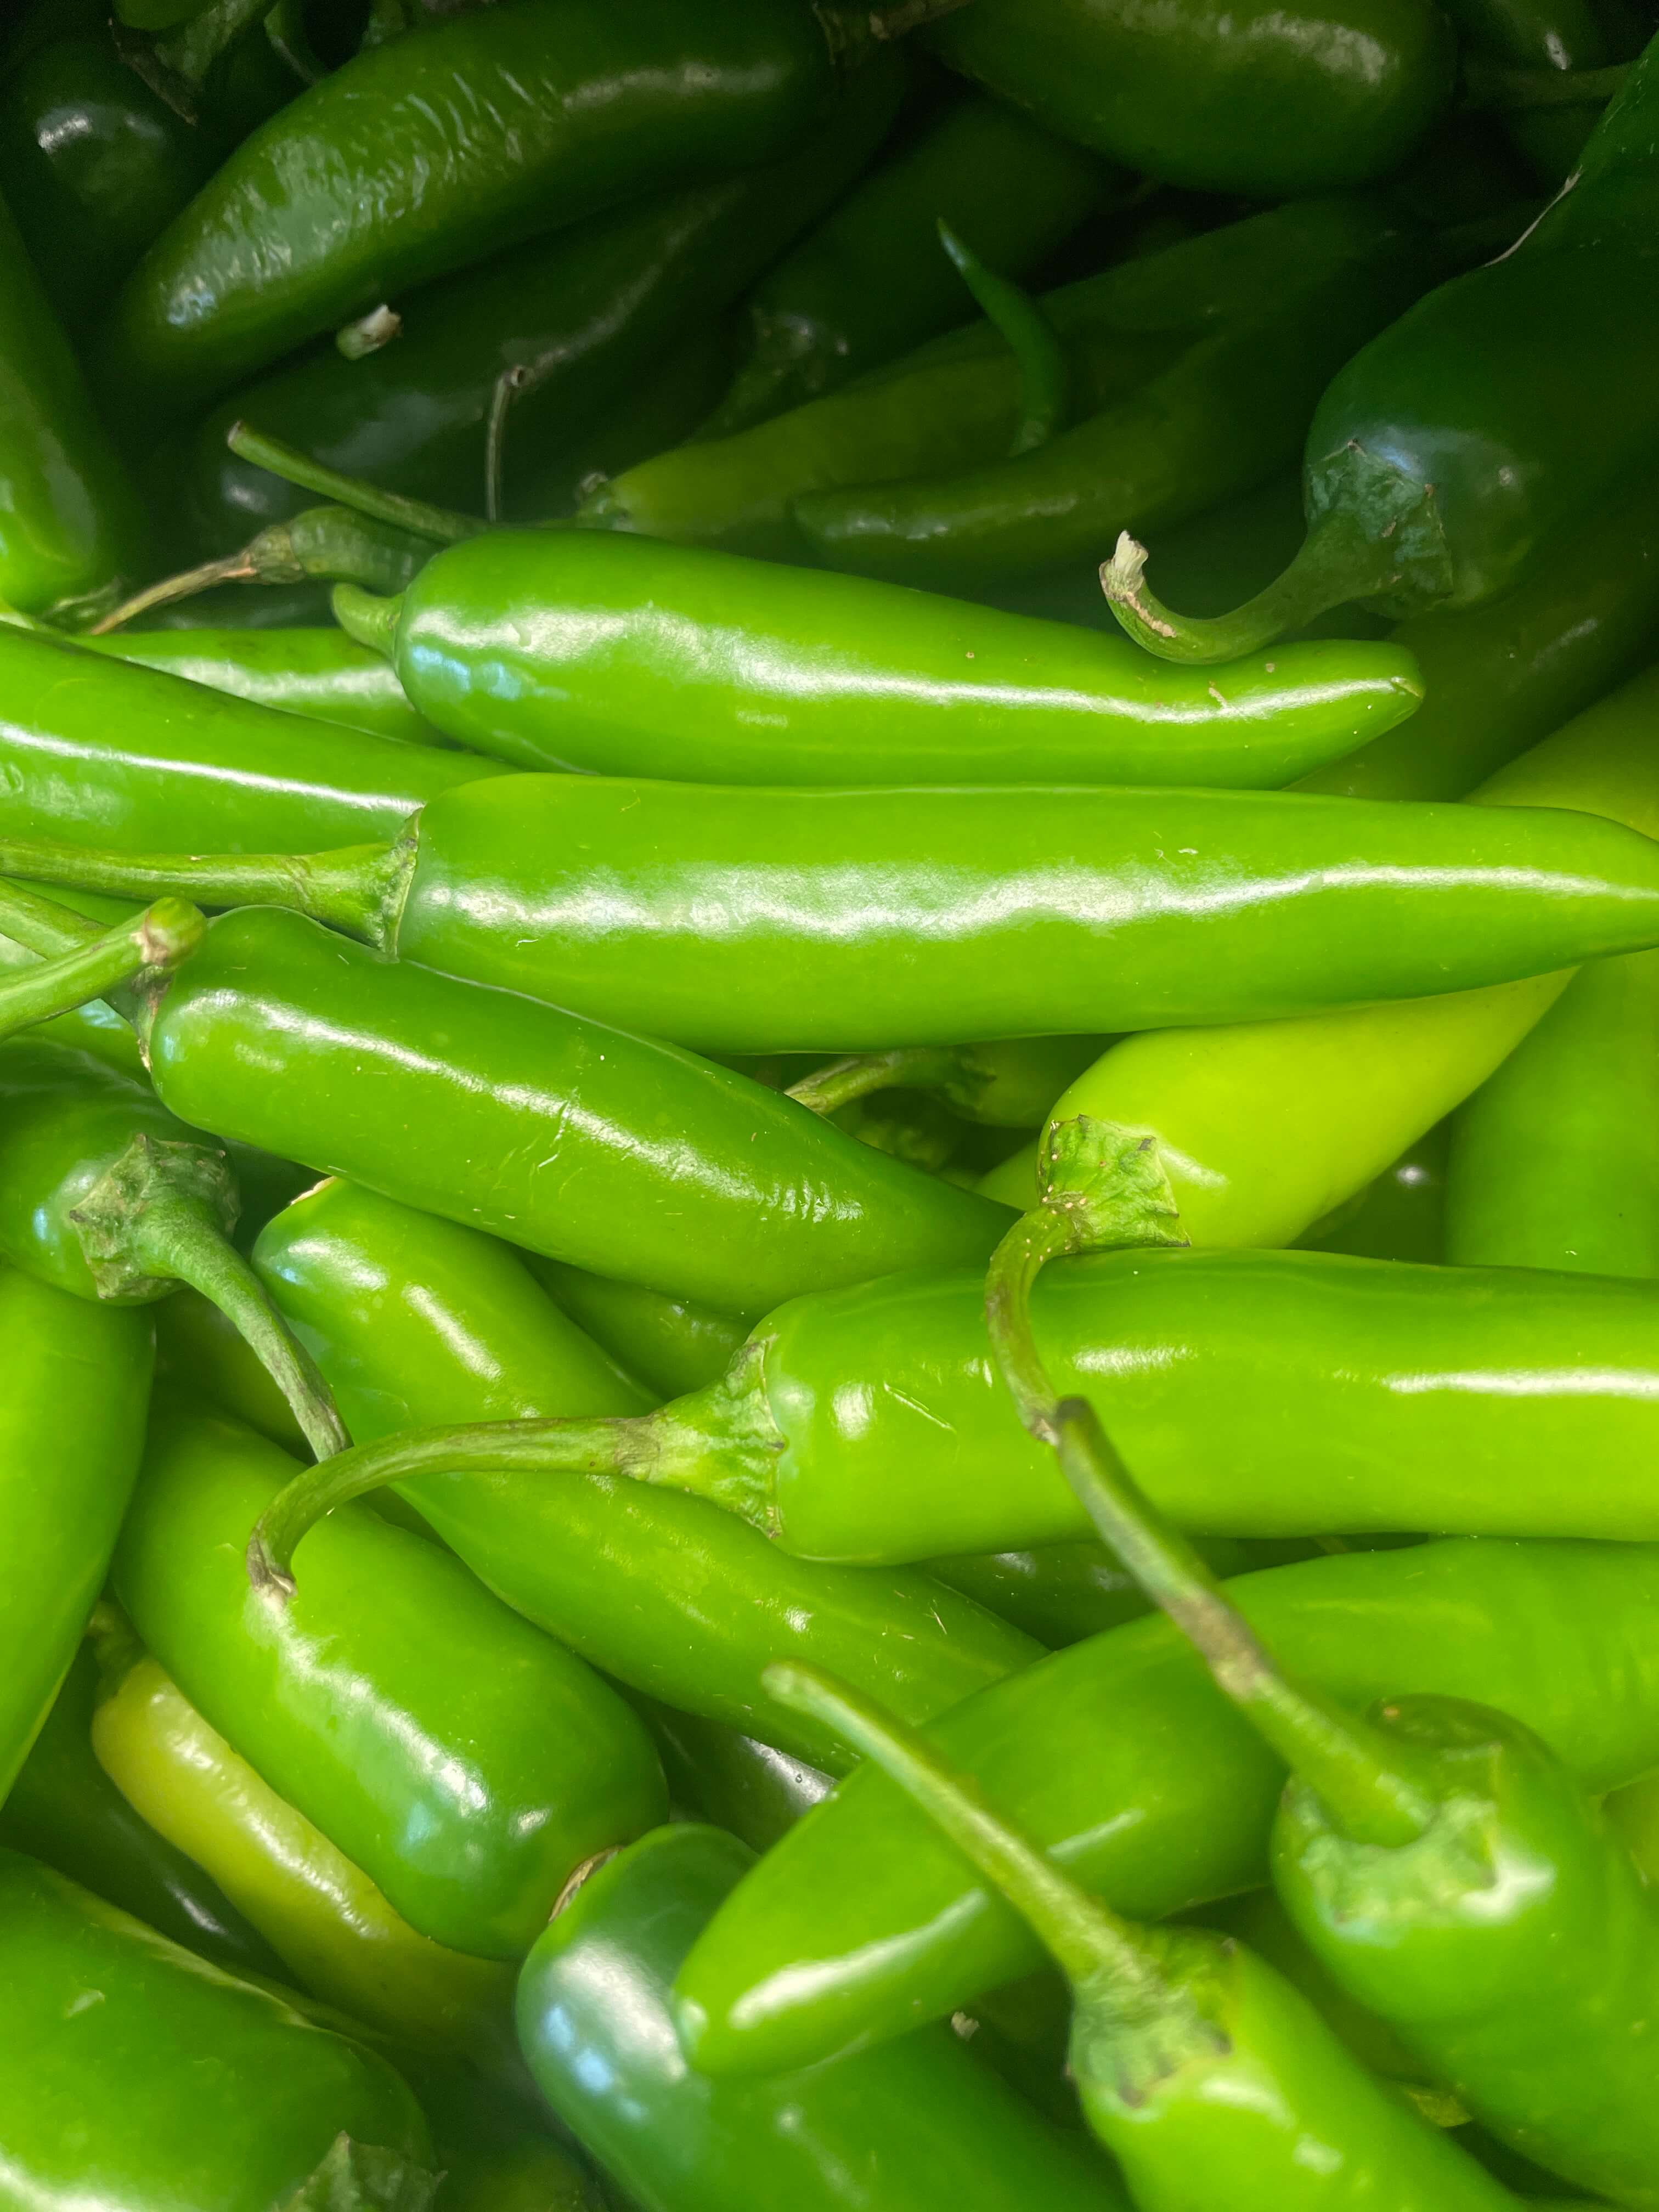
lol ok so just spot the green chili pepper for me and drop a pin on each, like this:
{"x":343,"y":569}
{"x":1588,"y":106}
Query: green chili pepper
{"x":751,"y":1790}
{"x":331,"y":544}
{"x":1126,"y":1763}
{"x":77,"y":1382}
{"x":105,"y":1195}
{"x":1400,"y":1216}
{"x":919,"y":2124}
{"x":1254,"y":1133}
{"x":334,"y":1930}
{"x":199,"y":1350}
{"x":464,"y":1761}
{"x":72,"y":530}
{"x":1445,"y":1866}
{"x":1272,"y":104}
{"x":93,"y":748}
{"x":671,"y":1344}
{"x":181,"y":2077}
{"x":953,"y":404}
{"x":1438,"y":469}
{"x":421,"y":157}
{"x":1206,"y":2074}
{"x":1060,"y":1593}
{"x":676,"y":1599}
{"x":1009,"y":1084}
{"x":1045,"y":384}
{"x":64,"y":1810}
{"x":320,"y":673}
{"x":574,"y":318}
{"x":695,"y":1181}
{"x":1555,"y":1159}
{"x":495,"y":2147}
{"x":784,"y":920}
{"x":868,"y":284}
{"x":1563,"y":37}
{"x":623,"y":656}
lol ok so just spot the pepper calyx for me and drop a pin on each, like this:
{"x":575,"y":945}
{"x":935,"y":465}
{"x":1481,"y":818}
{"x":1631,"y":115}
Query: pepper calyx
{"x":355,"y":2177}
{"x":149,"y":1173}
{"x":1108,"y":1185}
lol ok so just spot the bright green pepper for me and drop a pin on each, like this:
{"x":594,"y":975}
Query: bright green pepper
{"x":624,"y":656}
{"x":463,"y":1760}
{"x":128,"y":962}
{"x":1400,"y":1216}
{"x":921,"y":2126}
{"x":416,"y":1320}
{"x":320,"y":673}
{"x":671,"y":1344}
{"x":179,"y":2081}
{"x":1061,"y":1593}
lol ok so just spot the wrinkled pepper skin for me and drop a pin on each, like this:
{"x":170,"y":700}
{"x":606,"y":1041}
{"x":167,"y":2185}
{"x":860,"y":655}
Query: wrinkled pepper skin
{"x":587,"y":312}
{"x":94,"y":749}
{"x":465,"y":1762}
{"x":72,"y":1434}
{"x":675,"y":1598}
{"x":591,"y":1146}
{"x":921,"y":2125}
{"x":72,"y":530}
{"x":180,"y":2085}
{"x":1555,"y":1160}
{"x":1170,"y":1805}
{"x":320,"y":673}
{"x":64,"y":1810}
{"x":626,"y":656}
{"x":1268,"y":102}
{"x":849,"y":919}
{"x":420,"y":156}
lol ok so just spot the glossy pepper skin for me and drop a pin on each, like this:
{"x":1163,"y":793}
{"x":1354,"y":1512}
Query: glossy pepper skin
{"x":869,"y":282}
{"x":732,"y":1781}
{"x":581,"y":316}
{"x":1170,"y":1805}
{"x":181,"y":2080}
{"x":77,"y":1386}
{"x":922,"y":2125}
{"x":100,"y":750}
{"x":464,"y":1761}
{"x":1268,"y":103}
{"x":71,"y":528}
{"x":676,"y":1599}
{"x":623,"y":656}
{"x":320,"y":673}
{"x":671,"y":1344}
{"x":420,"y":156}
{"x":1555,"y":1159}
{"x":64,"y":1810}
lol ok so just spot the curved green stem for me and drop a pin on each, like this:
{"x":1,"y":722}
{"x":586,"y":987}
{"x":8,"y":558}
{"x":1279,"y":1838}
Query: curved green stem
{"x":1337,"y":562}
{"x":440,"y":523}
{"x":41,"y":924}
{"x":509,"y":385}
{"x":1045,"y":376}
{"x":1376,"y":1790}
{"x":1084,"y":1935}
{"x":367,"y":620}
{"x":863,"y":1073}
{"x":324,"y":544}
{"x":234,"y":569}
{"x":358,"y":889}
{"x":137,"y":953}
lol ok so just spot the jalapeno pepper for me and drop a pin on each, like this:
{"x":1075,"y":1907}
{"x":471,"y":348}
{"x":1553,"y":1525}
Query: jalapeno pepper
{"x":320,"y":673}
{"x":64,"y":1810}
{"x":570,"y":320}
{"x":870,"y":282}
{"x":95,"y":748}
{"x":676,"y":1599}
{"x":72,"y":530}
{"x":1271,"y":104}
{"x":1206,"y":2072}
{"x":1447,"y":1868}
{"x":180,"y":2077}
{"x":420,"y":156}
{"x":1125,"y":1762}
{"x":801,"y":919}
{"x":1437,"y":471}
{"x":624,"y":657}
{"x":920,"y":2124}
{"x":334,"y":1929}
{"x":1555,"y":1159}
{"x":459,"y":1758}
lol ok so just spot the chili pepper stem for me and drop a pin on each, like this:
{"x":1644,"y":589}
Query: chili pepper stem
{"x":1337,"y":562}
{"x":441,"y":522}
{"x":137,"y":952}
{"x":1374,"y":1787}
{"x":1044,"y":372}
{"x":1087,"y":1939}
{"x":861,"y":1074}
{"x":163,"y":1214}
{"x":234,"y":569}
{"x":358,"y":889}
{"x":365,"y":619}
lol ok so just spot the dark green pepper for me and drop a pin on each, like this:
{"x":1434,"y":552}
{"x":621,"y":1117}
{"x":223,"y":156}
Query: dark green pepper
{"x":176,"y":2080}
{"x":918,"y":2125}
{"x":671,"y":1344}
{"x":1400,"y":1216}
{"x":753,"y":1791}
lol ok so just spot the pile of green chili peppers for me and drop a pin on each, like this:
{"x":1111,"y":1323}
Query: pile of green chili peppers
{"x":829,"y":1106}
